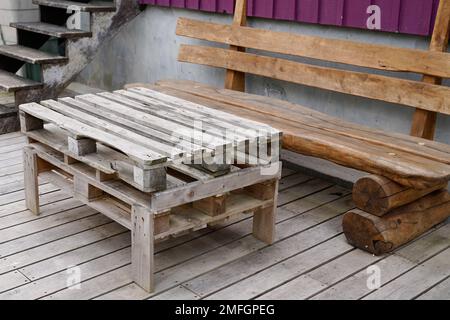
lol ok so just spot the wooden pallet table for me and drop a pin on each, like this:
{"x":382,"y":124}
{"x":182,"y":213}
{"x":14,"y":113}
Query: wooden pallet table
{"x":158,"y":165}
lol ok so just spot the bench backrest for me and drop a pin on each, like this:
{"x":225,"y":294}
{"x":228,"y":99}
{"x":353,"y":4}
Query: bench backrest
{"x":427,"y":96}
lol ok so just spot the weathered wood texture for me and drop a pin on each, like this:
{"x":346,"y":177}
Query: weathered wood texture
{"x":312,"y":134}
{"x":150,"y":130}
{"x":410,"y":93}
{"x":31,"y":184}
{"x":236,"y":80}
{"x":424,"y":122}
{"x":336,"y":50}
{"x":310,"y":258}
{"x":378,"y":195}
{"x":142,"y":250}
{"x":409,"y":161}
{"x":379,"y":235}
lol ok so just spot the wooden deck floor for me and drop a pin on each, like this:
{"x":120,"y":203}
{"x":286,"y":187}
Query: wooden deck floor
{"x":310,"y":259}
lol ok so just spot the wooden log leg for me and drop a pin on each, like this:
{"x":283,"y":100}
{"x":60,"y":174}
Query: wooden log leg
{"x":264,"y":219}
{"x":142,"y":247}
{"x":379,"y":195}
{"x":379,"y":235}
{"x":31,"y":183}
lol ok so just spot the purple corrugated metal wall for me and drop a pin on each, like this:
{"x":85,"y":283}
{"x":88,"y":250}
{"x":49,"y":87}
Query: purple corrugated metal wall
{"x":404,"y":16}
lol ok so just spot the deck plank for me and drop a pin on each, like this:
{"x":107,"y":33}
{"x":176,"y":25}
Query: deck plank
{"x":439,"y":292}
{"x":391,"y":267}
{"x":224,"y":245}
{"x":418,"y":280}
{"x":289,"y":223}
{"x":19,"y":206}
{"x":35,"y":240}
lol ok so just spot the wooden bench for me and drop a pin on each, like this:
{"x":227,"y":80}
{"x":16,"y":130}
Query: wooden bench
{"x":409,"y":172}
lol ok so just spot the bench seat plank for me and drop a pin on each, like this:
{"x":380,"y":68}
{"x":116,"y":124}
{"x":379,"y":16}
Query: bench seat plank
{"x":289,"y":111}
{"x":402,"y":158}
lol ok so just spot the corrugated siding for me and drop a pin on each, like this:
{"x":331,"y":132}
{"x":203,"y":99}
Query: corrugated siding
{"x":404,"y":16}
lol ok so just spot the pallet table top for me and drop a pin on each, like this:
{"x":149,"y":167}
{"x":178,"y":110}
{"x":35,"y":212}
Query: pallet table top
{"x":148,"y":126}
{"x":142,"y":129}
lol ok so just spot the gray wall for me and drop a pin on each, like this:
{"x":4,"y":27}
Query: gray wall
{"x":146,"y":51}
{"x":13,"y":11}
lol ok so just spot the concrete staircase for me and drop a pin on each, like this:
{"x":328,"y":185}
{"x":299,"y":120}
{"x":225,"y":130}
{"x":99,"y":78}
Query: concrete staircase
{"x":76,"y":48}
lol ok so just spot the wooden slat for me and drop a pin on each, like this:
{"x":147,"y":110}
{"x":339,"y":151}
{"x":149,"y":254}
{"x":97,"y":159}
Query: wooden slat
{"x":202,"y":189}
{"x":179,"y":115}
{"x":227,"y":119}
{"x":411,"y":93}
{"x":147,"y":119}
{"x":144,"y":131}
{"x":340,"y":51}
{"x":424,"y":122}
{"x":137,"y":153}
{"x":190,"y":219}
{"x":116,"y":130}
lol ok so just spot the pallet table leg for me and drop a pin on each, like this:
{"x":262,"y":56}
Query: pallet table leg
{"x":161,"y":222}
{"x":142,"y":247}
{"x":31,"y":183}
{"x":155,"y":178}
{"x":29,"y":123}
{"x":212,"y":206}
{"x":81,"y":147}
{"x":101,"y":176}
{"x":69,"y":160}
{"x":264,"y":219}
{"x":84,"y":190}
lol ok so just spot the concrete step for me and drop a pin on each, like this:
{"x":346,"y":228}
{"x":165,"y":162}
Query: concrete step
{"x":51,"y":30}
{"x":92,"y":6}
{"x":30,"y":55}
{"x":10,"y":82}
